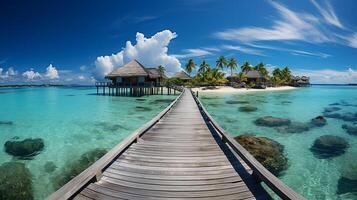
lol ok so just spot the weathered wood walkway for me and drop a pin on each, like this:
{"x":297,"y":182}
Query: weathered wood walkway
{"x":180,"y":156}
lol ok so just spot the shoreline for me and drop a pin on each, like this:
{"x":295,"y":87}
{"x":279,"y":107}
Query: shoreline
{"x":228,"y":89}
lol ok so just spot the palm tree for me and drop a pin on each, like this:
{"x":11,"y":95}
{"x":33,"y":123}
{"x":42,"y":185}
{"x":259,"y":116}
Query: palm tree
{"x":261,"y":68}
{"x":232,"y":64}
{"x":277,"y":76}
{"x":215,"y":77}
{"x":204,"y":69}
{"x":161,"y":70}
{"x":277,"y":72}
{"x":286,"y":75}
{"x":221,"y":62}
{"x":190,"y":66}
{"x":246,"y":67}
{"x":242,"y":77}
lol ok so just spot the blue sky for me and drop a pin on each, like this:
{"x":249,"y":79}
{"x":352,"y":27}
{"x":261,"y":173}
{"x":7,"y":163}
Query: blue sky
{"x":78,"y":42}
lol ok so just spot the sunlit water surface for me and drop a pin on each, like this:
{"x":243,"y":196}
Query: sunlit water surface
{"x":313,"y":178}
{"x":71,"y":121}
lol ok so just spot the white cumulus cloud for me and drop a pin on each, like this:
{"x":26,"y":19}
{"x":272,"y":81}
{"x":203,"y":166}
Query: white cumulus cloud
{"x":81,"y":77}
{"x":151,"y":52}
{"x":51,"y":72}
{"x":11,"y":72}
{"x":31,"y":75}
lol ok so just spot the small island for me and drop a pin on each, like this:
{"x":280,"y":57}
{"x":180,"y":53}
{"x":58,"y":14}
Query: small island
{"x":250,"y":78}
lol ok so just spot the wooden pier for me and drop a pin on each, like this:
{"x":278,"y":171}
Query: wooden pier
{"x":112,"y":89}
{"x":180,"y":154}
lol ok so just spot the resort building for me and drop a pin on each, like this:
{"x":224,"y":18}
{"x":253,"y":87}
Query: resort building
{"x":254,"y":76}
{"x":182,"y":76}
{"x":134,"y":73}
{"x":298,"y":81}
{"x":133,"y":79}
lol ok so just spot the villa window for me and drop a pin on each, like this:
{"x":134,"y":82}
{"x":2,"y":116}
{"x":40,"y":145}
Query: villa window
{"x":141,"y":79}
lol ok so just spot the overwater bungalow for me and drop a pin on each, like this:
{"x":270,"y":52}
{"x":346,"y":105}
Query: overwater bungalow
{"x":133,"y":79}
{"x":134,"y":73}
{"x":298,"y":81}
{"x":183,"y":76}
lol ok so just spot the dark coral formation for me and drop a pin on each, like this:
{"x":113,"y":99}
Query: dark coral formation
{"x":328,"y":146}
{"x":352,"y":130}
{"x":248,"y":109}
{"x":49,"y":167}
{"x":267,"y":151}
{"x":159,"y":101}
{"x":75,"y":168}
{"x":346,"y":185}
{"x":236,"y":102}
{"x":142,"y":109}
{"x":294,"y":127}
{"x":350,"y":117}
{"x":272,"y":121}
{"x":24,"y":149}
{"x":332,"y":109}
{"x":319,"y":121}
{"x":334,"y":104}
{"x":15,"y":182}
{"x":6,"y":123}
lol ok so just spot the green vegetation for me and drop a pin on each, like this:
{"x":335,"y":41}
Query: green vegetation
{"x":161,"y":70}
{"x":208,"y":76}
{"x":232,"y":65}
{"x":215,"y":76}
{"x":190,"y":66}
{"x":246,"y":67}
{"x":281,"y":77}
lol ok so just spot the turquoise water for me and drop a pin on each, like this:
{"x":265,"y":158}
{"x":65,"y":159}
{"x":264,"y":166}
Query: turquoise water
{"x":313,"y":178}
{"x":71,"y":121}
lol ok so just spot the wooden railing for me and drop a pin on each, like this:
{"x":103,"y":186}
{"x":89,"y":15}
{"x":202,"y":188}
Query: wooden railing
{"x":110,"y":84}
{"x":94,"y":172}
{"x":275,"y":184}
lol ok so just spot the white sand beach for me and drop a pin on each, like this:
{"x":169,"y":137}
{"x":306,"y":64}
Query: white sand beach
{"x":228,"y":89}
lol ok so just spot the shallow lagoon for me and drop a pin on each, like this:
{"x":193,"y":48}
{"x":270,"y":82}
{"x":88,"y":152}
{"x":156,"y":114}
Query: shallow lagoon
{"x":312,"y":177}
{"x":71,"y":121}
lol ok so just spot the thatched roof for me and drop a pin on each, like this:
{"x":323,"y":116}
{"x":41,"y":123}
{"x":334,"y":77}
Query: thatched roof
{"x":295,"y":78}
{"x":132,"y":68}
{"x":304,"y":78}
{"x":182,"y":75}
{"x":154,"y":73}
{"x":254,"y":74}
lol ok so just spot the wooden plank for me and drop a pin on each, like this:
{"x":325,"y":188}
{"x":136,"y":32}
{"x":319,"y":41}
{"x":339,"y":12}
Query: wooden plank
{"x":233,"y":179}
{"x":81,"y":197}
{"x":172,"y":172}
{"x":77,"y":183}
{"x":174,"y":176}
{"x":174,"y":194}
{"x":174,"y":157}
{"x":282,"y":190}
